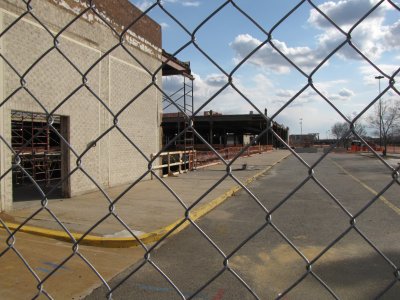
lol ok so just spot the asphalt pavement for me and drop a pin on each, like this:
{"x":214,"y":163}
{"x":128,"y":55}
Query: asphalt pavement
{"x":310,"y":221}
{"x":65,"y":271}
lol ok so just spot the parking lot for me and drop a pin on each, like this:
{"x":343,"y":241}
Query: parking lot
{"x":321,"y":236}
{"x":311,"y":220}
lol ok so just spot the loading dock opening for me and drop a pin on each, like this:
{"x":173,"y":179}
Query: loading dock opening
{"x":43,"y":157}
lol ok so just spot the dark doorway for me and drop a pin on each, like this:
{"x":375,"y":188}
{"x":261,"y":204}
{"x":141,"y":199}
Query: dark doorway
{"x":42,"y":155}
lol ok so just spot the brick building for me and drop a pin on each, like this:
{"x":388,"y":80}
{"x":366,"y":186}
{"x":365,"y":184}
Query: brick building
{"x":90,"y":107}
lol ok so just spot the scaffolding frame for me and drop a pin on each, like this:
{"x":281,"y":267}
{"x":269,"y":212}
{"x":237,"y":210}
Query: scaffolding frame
{"x":39,"y":152}
{"x":183,"y":100}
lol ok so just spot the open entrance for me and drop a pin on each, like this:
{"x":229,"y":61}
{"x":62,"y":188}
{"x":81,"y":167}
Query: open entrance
{"x":43,"y":157}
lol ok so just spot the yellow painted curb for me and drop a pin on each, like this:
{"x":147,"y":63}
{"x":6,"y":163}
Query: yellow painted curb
{"x":147,"y":238}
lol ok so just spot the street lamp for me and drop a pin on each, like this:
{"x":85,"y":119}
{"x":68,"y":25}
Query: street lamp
{"x":379,"y":77}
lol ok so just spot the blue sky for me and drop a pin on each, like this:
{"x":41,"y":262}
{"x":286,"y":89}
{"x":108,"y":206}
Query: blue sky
{"x":306,"y":37}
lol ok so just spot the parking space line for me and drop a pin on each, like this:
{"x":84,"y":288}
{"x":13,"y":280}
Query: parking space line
{"x":367,"y":187}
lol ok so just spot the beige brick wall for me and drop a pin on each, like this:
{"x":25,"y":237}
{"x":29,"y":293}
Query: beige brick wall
{"x":117,"y":79}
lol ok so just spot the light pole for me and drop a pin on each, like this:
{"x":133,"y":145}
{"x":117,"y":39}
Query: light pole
{"x":301,"y":130}
{"x":379,"y":77}
{"x":301,"y":126}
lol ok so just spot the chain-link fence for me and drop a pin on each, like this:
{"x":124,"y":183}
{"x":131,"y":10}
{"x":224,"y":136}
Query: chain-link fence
{"x":81,"y":109}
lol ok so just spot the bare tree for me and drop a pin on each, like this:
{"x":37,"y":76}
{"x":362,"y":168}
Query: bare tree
{"x":341,"y":131}
{"x":360,"y":129}
{"x":385,"y":119}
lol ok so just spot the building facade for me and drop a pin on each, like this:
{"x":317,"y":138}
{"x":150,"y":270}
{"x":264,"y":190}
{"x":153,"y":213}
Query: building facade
{"x":89,"y":92}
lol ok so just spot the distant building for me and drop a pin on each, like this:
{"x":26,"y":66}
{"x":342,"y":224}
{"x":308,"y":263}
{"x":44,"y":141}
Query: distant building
{"x":222,"y":130}
{"x":303,"y":140}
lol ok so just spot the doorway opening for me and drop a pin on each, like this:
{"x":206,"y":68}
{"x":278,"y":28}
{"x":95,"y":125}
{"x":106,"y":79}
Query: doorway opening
{"x":44,"y":159}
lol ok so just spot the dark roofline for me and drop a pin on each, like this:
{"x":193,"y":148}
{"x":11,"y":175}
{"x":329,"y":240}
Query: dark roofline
{"x":121,"y":14}
{"x":174,"y":66}
{"x":219,"y":118}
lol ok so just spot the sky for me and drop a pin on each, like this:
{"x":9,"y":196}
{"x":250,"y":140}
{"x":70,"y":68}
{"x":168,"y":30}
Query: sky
{"x":266,"y":78}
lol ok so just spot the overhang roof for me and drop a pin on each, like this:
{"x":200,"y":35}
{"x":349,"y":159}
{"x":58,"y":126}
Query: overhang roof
{"x":173,"y":66}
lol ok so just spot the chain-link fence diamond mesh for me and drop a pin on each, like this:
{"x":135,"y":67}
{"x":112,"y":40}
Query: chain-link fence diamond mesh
{"x":82,"y":102}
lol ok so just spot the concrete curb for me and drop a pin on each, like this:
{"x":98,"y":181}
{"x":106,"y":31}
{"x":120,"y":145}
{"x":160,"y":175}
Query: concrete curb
{"x":146,"y":238}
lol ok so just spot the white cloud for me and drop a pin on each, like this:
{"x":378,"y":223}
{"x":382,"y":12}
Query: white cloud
{"x":164,"y":25}
{"x":191,"y":3}
{"x":330,"y":89}
{"x":261,"y":91}
{"x":369,"y":73}
{"x":346,"y":93}
{"x":216,"y":80}
{"x":270,"y":59}
{"x":372,"y":36}
{"x":327,"y":88}
{"x":305,"y":98}
{"x":392,"y":36}
{"x":143,"y":4}
{"x":343,"y":95}
{"x":257,"y":89}
{"x":345,"y":13}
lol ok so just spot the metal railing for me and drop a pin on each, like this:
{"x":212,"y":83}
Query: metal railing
{"x":175,"y":162}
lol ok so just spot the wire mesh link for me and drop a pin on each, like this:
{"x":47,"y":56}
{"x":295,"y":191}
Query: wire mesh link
{"x":83,"y":156}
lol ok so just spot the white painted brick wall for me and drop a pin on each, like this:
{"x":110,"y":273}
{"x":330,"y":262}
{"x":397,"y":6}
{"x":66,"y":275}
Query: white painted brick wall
{"x":116,"y":80}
